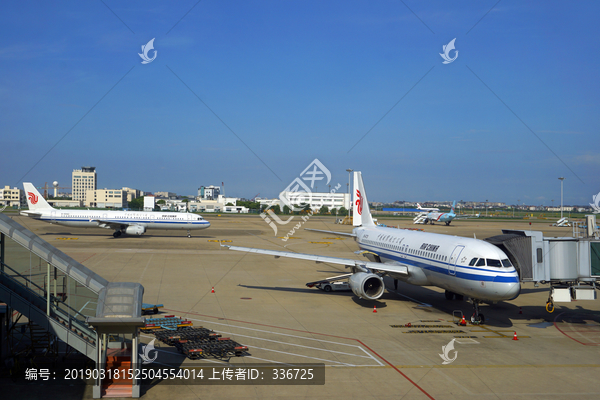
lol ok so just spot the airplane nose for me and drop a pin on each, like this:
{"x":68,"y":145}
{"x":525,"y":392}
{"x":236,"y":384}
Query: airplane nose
{"x":514,"y":289}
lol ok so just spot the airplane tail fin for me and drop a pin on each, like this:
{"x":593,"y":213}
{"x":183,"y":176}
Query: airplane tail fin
{"x":360,"y":207}
{"x":35,"y":200}
{"x":453,"y":205}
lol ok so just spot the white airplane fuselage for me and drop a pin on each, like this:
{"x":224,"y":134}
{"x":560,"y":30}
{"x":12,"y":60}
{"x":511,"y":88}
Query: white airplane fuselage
{"x":148,"y":220}
{"x":444,"y":261}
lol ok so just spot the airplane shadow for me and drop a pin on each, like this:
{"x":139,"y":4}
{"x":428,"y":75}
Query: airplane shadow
{"x":499,"y":315}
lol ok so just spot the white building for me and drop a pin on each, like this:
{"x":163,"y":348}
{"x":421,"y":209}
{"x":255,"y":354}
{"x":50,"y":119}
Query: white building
{"x":209,"y":192}
{"x":315,"y":200}
{"x":106,"y":198}
{"x":83,"y":180}
{"x":11,"y":197}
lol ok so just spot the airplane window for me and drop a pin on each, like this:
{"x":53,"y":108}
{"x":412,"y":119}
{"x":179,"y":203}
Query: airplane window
{"x":481,"y":262}
{"x":493,"y":263}
{"x":506,"y":263}
{"x":473,"y":261}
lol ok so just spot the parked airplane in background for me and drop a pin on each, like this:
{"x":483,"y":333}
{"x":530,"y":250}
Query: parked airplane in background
{"x":462,"y":266}
{"x":426,"y":209}
{"x":432,"y":217}
{"x":129,"y":222}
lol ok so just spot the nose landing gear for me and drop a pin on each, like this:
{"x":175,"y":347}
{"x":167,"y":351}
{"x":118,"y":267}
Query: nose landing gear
{"x":477,"y":318}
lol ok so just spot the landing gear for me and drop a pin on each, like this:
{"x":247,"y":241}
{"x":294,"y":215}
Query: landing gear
{"x":477,"y":318}
{"x":189,"y":234}
{"x":448,"y":223}
{"x":395,"y":284}
{"x":117,"y":234}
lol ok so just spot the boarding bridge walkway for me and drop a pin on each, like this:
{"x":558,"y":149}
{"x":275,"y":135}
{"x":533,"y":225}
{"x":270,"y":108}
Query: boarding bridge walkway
{"x":37,"y":302}
{"x":85,"y":311}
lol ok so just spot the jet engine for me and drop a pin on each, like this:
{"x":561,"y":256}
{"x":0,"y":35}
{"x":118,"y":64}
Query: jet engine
{"x":366,"y":285}
{"x":135,"y":230}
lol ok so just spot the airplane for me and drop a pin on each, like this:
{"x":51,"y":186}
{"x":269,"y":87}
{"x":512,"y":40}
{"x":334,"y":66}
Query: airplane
{"x":426,"y":209}
{"x":432,"y":217}
{"x":461,"y":266}
{"x":128,"y":222}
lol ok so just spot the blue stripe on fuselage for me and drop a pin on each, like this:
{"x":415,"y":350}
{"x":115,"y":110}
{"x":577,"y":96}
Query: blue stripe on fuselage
{"x":442,"y":270}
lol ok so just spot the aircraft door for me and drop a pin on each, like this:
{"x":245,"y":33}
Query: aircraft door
{"x":454,"y":259}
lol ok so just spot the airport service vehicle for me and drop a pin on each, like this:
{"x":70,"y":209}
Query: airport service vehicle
{"x":461,"y":266}
{"x":333,"y":286}
{"x":122,"y":222}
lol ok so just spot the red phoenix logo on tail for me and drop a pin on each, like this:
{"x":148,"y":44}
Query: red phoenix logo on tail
{"x":359,"y":202}
{"x":32,"y":198}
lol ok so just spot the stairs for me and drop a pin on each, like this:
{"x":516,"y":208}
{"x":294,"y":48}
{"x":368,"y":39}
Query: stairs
{"x":117,"y":359}
{"x":420,"y":218}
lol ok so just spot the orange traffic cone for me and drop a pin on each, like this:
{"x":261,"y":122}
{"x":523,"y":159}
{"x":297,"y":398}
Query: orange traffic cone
{"x":374,"y":309}
{"x":463,"y":322}
{"x":213,"y":290}
{"x":515,"y":336}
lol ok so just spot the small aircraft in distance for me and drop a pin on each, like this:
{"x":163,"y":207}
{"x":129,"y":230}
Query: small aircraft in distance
{"x":426,"y":209}
{"x":128,"y":222}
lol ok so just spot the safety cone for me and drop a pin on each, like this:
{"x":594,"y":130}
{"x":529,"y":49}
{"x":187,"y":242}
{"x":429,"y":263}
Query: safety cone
{"x":213,"y":290}
{"x":520,"y":310}
{"x":515,"y":336}
{"x":463,"y":322}
{"x":374,"y":309}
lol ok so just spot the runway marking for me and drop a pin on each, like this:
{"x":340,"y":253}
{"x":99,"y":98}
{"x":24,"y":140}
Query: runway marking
{"x":67,"y":238}
{"x":369,"y":356}
{"x":312,"y":358}
{"x":322,"y":334}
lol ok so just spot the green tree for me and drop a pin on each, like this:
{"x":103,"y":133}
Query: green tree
{"x":343,"y":212}
{"x":286,"y":210}
{"x":276,"y":209}
{"x":333,"y":211}
{"x":137,"y":204}
{"x":230,"y":204}
{"x":161,"y":202}
{"x":323,"y":210}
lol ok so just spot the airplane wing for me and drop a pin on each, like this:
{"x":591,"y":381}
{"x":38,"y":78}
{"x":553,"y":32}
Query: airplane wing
{"x":332,"y":232}
{"x":398,"y":269}
{"x":31,"y":214}
{"x":110,"y":224}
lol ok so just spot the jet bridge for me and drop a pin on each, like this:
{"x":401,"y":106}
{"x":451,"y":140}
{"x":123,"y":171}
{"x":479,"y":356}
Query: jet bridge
{"x":66,"y":304}
{"x":571,"y":265}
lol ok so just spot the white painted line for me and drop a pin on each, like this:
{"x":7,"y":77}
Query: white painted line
{"x":313,"y":358}
{"x":299,"y":345}
{"x":371,"y":356}
{"x":274,"y":333}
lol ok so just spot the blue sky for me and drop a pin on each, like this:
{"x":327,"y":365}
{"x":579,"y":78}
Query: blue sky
{"x":249,"y":93}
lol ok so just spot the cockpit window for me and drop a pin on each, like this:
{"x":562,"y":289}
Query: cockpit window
{"x":493,"y":263}
{"x":481,"y":262}
{"x":473,"y":261}
{"x":506,"y":263}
